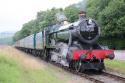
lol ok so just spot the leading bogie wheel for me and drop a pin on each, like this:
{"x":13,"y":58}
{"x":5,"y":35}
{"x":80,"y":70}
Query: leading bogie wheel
{"x":78,"y":65}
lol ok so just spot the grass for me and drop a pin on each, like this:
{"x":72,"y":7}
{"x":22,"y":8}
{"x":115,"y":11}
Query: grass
{"x":9,"y":71}
{"x":12,"y":72}
{"x":116,"y":65}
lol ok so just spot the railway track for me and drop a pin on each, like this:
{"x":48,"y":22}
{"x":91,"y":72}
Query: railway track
{"x":78,"y":73}
{"x":116,"y":77}
{"x":103,"y":77}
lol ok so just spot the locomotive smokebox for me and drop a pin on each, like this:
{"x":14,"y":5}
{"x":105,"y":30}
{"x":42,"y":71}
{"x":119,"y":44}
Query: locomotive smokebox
{"x":88,"y":31}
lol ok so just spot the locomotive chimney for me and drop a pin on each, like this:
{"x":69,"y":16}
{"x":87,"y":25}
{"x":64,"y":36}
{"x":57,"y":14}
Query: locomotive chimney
{"x":82,"y":15}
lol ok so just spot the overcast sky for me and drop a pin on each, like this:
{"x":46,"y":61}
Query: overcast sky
{"x":14,"y":13}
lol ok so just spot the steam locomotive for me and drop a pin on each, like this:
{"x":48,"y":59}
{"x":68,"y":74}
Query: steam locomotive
{"x":70,"y":44}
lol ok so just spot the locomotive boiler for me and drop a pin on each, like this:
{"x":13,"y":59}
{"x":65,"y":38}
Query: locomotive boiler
{"x":84,"y":30}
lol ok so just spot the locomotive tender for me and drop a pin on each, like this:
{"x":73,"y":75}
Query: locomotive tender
{"x":72,"y":45}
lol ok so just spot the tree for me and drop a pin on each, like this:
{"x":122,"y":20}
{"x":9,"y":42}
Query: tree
{"x":109,"y":14}
{"x":110,"y":18}
{"x":46,"y":18}
{"x":71,"y":13}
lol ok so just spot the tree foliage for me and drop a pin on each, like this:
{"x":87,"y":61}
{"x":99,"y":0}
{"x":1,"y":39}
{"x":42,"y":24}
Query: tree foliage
{"x":110,"y":15}
{"x":71,"y":13}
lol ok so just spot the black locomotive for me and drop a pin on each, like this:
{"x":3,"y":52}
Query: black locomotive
{"x":69,"y":44}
